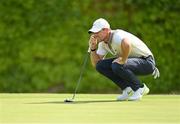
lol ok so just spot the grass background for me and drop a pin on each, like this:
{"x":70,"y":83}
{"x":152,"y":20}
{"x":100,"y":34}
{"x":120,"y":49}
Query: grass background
{"x":88,"y":109}
{"x":42,"y":45}
{"x":43,"y":42}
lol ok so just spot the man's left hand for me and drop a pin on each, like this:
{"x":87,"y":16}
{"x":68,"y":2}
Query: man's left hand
{"x":119,"y":61}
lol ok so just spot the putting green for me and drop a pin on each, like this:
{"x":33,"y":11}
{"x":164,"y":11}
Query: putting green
{"x":88,"y":109}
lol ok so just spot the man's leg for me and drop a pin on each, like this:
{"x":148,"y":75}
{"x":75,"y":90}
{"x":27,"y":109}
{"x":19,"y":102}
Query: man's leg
{"x":133,"y":67}
{"x":127,"y":75}
{"x":104,"y":67}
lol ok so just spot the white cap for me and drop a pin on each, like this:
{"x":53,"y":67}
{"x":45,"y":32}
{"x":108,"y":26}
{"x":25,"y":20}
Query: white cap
{"x":98,"y":25}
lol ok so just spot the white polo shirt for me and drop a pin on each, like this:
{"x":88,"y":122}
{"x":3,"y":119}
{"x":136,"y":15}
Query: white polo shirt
{"x":138,"y":47}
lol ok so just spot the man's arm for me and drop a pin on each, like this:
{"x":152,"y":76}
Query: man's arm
{"x":126,"y":49}
{"x":93,"y":47}
{"x":95,"y":58}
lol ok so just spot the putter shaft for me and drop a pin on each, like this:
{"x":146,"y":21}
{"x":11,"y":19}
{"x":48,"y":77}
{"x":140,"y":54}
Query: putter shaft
{"x":81,"y":73}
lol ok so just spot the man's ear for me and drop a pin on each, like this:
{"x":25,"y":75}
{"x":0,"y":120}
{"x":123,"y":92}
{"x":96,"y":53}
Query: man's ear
{"x":105,"y":29}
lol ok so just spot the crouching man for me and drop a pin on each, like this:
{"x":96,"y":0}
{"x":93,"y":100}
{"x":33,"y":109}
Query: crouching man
{"x":131,"y":58}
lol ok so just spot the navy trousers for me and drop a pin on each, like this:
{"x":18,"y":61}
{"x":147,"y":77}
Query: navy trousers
{"x":126,"y":75}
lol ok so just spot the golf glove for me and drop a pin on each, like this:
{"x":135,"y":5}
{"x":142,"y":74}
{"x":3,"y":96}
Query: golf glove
{"x":156,"y":73}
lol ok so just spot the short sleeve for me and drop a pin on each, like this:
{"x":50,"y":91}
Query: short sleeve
{"x":118,"y":37}
{"x":101,"y":49}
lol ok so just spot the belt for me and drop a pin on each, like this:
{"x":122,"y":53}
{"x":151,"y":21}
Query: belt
{"x":150,"y":58}
{"x":147,"y":57}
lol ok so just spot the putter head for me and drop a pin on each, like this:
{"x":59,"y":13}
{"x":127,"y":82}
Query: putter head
{"x":68,"y":100}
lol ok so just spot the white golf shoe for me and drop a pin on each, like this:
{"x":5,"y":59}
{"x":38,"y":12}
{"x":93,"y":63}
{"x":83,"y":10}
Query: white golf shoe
{"x":146,"y":90}
{"x":139,"y":93}
{"x":125,"y":94}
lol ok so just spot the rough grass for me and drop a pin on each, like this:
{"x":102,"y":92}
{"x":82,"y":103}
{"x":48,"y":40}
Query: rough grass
{"x":88,"y":109}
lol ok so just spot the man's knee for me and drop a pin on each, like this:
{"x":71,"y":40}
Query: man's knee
{"x":117,"y":68}
{"x":99,"y":66}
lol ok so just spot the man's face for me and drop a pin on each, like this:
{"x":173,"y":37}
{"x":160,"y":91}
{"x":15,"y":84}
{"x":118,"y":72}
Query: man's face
{"x":100,"y":35}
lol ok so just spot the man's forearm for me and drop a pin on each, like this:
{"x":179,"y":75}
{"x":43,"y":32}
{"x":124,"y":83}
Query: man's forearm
{"x":126,"y":48}
{"x":94,"y":58}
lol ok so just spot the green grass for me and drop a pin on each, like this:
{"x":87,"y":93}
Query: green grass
{"x":88,"y":109}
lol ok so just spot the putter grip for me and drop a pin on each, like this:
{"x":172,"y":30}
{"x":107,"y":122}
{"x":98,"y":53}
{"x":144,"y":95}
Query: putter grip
{"x":89,"y":50}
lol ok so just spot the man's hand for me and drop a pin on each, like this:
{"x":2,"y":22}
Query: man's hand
{"x":92,"y":43}
{"x":119,"y":61}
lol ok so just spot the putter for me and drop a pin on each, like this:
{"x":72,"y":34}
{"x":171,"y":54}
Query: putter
{"x":80,"y":77}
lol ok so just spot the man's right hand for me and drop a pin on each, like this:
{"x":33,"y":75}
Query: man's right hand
{"x":92,"y":42}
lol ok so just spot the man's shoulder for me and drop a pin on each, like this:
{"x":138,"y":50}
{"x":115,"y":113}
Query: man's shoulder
{"x":118,"y":31}
{"x":117,"y":34}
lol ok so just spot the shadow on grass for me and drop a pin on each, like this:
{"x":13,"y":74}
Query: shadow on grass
{"x":75,"y":102}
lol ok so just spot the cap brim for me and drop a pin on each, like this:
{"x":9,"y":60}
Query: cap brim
{"x":93,"y":30}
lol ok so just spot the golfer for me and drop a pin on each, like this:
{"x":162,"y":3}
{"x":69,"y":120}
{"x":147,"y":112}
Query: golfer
{"x":131,"y":58}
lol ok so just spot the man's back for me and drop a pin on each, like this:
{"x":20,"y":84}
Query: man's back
{"x":139,"y":48}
